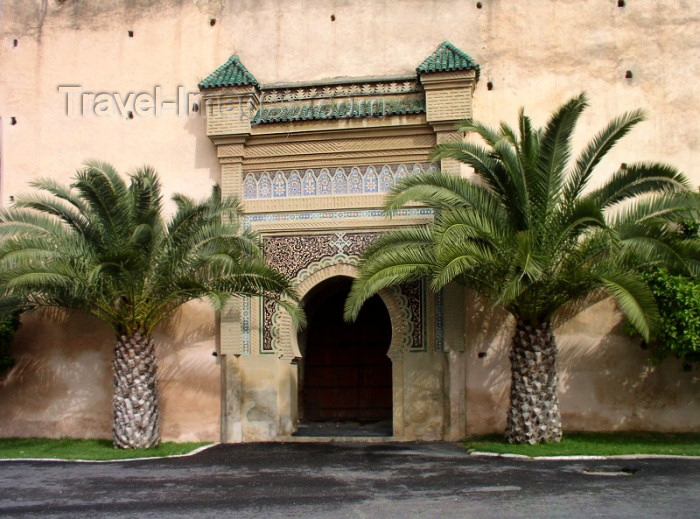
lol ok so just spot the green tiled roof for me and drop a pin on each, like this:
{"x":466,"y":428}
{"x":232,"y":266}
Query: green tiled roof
{"x":447,"y":57}
{"x":340,"y":111}
{"x":231,"y":73}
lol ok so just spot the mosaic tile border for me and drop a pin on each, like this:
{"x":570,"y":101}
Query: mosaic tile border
{"x":440,"y":321}
{"x":251,"y":219}
{"x":351,"y":180}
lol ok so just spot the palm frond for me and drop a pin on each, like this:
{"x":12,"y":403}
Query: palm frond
{"x":101,"y":245}
{"x":526,"y":234}
{"x":639,"y":179}
{"x":596,"y":149}
{"x":635,"y":300}
{"x":554,"y":153}
{"x":387,"y":267}
{"x":479,"y":158}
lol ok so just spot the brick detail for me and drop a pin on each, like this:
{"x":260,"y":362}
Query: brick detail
{"x":231,"y":328}
{"x":229,"y":150}
{"x":230,"y":114}
{"x":231,"y":179}
{"x":449,"y":165}
{"x":448,"y":105}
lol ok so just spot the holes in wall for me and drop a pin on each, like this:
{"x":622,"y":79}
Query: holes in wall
{"x":481,"y":354}
{"x":15,"y":42}
{"x":623,"y":166}
{"x":621,"y":3}
{"x":13,"y":121}
{"x":629,"y":75}
{"x":489,"y":85}
{"x":131,"y":34}
{"x":479,"y":5}
{"x":212,"y":22}
{"x":332,"y":18}
{"x":12,"y":198}
{"x":195,"y":107}
{"x":130,"y":115}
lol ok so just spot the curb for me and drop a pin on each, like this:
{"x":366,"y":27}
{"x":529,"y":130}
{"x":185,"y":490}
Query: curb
{"x":582,"y":457}
{"x":187,"y":454}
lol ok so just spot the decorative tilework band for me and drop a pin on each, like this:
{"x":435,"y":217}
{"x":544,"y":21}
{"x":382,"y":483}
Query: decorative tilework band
{"x":357,"y":180}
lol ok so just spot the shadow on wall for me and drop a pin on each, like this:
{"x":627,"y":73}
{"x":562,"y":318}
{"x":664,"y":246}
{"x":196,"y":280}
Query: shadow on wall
{"x":488,"y":333}
{"x":204,"y":150}
{"x":605,"y":379}
{"x":62,"y":382}
{"x":607,"y":383}
{"x":189,"y":375}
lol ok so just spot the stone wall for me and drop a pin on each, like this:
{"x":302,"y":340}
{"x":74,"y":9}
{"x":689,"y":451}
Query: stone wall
{"x":606,"y":382}
{"x":62,"y":382}
{"x":532,"y":52}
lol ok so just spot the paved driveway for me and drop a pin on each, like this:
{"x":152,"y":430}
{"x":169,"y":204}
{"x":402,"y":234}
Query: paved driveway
{"x":350,"y":480}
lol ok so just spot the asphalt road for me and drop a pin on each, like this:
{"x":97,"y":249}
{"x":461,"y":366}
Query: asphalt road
{"x":378,"y":480}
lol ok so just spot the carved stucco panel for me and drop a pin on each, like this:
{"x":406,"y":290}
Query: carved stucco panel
{"x":300,"y":256}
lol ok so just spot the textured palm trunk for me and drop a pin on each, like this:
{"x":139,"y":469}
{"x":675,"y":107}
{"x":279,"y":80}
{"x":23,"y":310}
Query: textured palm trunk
{"x":534,"y":415}
{"x":135,"y":402}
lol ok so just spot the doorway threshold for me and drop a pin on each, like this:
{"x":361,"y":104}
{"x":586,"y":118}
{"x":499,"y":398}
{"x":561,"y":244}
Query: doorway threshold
{"x":340,"y":439}
{"x":345,"y":430}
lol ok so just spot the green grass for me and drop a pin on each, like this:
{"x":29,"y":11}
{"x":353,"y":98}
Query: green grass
{"x":596,"y":444}
{"x":70,"y":449}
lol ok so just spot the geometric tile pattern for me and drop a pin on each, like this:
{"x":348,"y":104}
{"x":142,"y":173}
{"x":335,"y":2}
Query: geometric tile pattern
{"x":320,"y":216}
{"x":355,"y":180}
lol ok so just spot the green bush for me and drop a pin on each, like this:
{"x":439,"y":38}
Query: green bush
{"x":678,"y":298}
{"x":8,"y":326}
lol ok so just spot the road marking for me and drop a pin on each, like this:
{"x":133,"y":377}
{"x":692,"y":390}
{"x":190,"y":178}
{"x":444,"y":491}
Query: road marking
{"x":504,"y":488}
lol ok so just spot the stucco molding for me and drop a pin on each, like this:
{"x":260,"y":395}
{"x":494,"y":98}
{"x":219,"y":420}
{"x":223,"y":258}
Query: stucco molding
{"x":358,"y":88}
{"x":397,"y":309}
{"x":302,"y":256}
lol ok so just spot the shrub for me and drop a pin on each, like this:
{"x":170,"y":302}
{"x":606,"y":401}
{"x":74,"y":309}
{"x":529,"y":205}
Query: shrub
{"x":678,"y":298}
{"x":8,"y":326}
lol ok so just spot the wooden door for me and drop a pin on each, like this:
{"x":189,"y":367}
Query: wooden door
{"x":346,"y":373}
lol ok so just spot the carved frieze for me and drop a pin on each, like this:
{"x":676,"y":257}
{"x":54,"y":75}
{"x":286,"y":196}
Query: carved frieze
{"x":277,"y":95}
{"x":293,"y":256}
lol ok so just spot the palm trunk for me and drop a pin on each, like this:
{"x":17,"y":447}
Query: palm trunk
{"x":135,"y":402}
{"x":534,"y":415}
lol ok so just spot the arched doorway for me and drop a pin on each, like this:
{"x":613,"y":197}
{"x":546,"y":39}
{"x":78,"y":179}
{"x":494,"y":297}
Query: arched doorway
{"x":345,"y":374}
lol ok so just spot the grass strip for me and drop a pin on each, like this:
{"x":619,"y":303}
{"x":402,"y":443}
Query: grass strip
{"x":595,"y":444}
{"x":94,"y":450}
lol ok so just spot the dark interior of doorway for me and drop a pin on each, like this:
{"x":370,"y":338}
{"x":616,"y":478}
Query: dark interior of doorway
{"x":345,"y":376}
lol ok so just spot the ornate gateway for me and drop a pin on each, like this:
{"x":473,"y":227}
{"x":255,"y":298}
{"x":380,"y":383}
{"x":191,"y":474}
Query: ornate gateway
{"x":312,"y":163}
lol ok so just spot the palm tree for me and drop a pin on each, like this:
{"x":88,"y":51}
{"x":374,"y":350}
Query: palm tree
{"x":102,"y":246}
{"x":528,"y":235}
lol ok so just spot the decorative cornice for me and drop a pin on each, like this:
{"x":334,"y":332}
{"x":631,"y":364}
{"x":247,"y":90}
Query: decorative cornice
{"x":363,"y":98}
{"x":273,"y":94}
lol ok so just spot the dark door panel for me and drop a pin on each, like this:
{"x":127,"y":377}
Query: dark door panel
{"x":346,"y":373}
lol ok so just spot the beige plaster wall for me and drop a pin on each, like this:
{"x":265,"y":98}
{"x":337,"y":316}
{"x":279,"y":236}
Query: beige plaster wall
{"x":62,"y":382}
{"x":606,"y":380}
{"x":536,"y":53}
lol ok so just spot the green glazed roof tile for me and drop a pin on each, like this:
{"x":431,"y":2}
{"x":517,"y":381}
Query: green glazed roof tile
{"x":340,"y":111}
{"x":231,"y":73}
{"x":446,"y":58}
